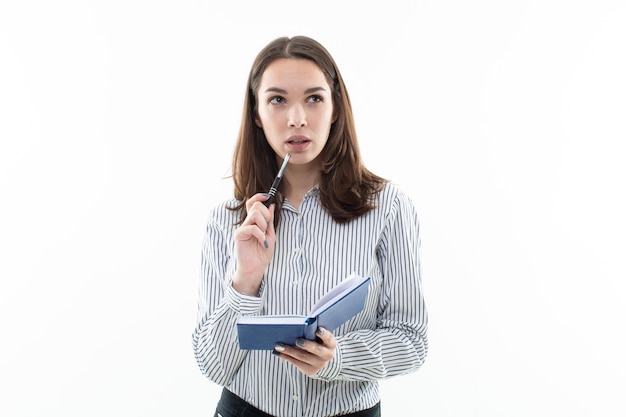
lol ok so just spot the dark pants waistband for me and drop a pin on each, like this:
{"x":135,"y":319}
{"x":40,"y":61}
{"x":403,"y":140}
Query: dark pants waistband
{"x":231,"y":405}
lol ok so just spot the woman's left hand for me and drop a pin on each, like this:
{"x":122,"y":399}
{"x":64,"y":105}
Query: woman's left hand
{"x":310,"y":356}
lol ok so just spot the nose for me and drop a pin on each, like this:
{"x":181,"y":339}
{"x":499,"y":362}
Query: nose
{"x":297,"y":116}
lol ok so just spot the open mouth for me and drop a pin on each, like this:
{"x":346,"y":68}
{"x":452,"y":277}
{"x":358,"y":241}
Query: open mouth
{"x":297,"y":140}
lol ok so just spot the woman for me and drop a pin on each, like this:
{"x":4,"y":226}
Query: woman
{"x":331,"y":217}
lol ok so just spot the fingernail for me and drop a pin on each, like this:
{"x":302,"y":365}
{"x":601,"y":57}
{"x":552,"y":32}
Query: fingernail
{"x":300,"y":342}
{"x":320,"y":331}
{"x":279,"y":348}
{"x":266,"y":244}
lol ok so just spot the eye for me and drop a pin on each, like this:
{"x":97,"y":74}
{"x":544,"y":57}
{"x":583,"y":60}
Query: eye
{"x":314,"y":99}
{"x":277,"y":100}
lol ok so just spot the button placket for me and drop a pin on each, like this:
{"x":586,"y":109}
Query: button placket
{"x":298,"y":249}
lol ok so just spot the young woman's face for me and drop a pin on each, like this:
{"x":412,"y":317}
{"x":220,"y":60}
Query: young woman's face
{"x":295,"y":109}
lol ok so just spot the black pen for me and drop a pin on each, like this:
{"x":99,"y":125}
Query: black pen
{"x":279,"y":176}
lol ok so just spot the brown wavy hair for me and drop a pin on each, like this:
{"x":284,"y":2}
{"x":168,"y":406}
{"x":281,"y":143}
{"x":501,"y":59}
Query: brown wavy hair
{"x":347,"y":189}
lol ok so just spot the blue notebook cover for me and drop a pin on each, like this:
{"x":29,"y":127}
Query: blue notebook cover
{"x":335,"y":308}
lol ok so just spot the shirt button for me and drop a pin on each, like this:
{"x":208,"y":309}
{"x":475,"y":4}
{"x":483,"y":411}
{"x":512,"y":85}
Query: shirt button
{"x":296,"y":250}
{"x":295,"y":282}
{"x":294,"y":397}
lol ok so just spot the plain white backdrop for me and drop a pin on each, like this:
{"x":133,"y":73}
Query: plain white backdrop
{"x":505,"y":121}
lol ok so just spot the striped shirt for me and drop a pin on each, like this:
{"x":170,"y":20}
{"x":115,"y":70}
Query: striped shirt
{"x":313,"y":253}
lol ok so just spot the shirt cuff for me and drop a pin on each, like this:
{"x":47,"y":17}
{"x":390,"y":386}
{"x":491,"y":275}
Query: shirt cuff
{"x":244,"y":304}
{"x":333,"y":368}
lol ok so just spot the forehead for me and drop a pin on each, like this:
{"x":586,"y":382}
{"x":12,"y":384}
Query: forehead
{"x":293,"y":72}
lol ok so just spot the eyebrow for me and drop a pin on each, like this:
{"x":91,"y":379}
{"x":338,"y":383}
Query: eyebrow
{"x":281,"y":91}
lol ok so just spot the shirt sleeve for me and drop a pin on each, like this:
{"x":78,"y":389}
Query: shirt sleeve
{"x":219,"y":306}
{"x":399,"y":343}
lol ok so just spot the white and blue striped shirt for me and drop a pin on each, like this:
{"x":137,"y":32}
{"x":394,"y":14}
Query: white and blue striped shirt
{"x":314,"y":253}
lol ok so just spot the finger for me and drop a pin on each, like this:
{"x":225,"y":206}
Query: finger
{"x":307,"y":362}
{"x":258,"y":219}
{"x":309,"y":352}
{"x":326,"y":338}
{"x":257,"y":198}
{"x":304,"y":367}
{"x":260,"y":215}
{"x":297,"y":352}
{"x":316,"y":349}
{"x":249,"y":232}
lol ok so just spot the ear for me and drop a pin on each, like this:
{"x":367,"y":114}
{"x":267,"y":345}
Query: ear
{"x":257,"y":120}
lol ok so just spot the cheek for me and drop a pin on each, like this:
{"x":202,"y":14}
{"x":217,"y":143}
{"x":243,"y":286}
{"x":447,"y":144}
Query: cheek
{"x":266,"y":119}
{"x":328,"y":119}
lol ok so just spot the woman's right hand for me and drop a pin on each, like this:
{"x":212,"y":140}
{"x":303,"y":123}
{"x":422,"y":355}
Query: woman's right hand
{"x":254,"y":245}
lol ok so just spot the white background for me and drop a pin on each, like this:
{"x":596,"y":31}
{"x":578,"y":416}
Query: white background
{"x":504,"y":120}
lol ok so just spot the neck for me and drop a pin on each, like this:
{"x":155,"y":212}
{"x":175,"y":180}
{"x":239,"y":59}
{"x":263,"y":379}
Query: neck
{"x":299,"y":179}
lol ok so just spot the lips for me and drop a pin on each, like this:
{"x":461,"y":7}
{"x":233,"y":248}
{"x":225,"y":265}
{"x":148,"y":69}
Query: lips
{"x":297,"y":143}
{"x":297,"y":140}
